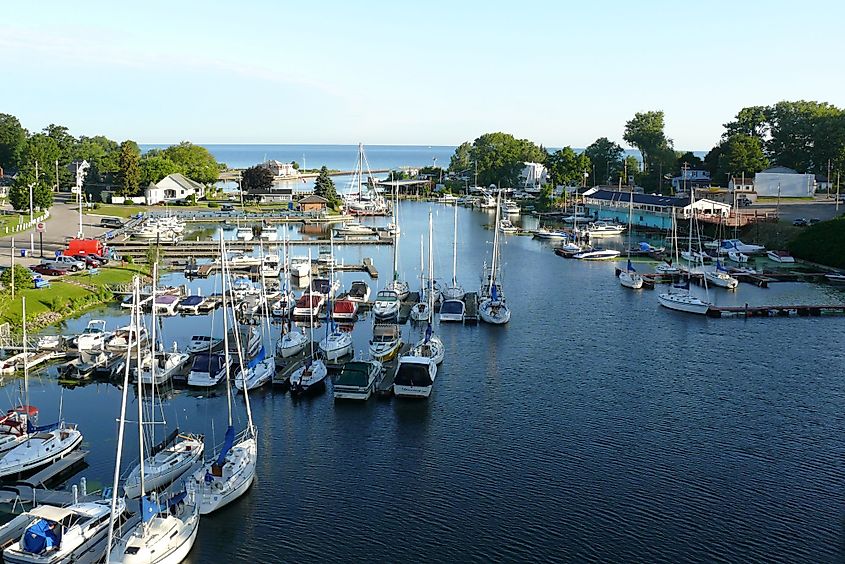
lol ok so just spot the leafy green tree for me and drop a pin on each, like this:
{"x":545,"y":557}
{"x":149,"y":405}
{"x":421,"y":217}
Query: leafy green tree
{"x":630,"y":167}
{"x":566,"y":167}
{"x":501,"y":157}
{"x":691,"y":160}
{"x":195,"y":162}
{"x":711,"y":161}
{"x":12,"y":141}
{"x":793,"y":140}
{"x":460,"y":161}
{"x":324,"y":187}
{"x":156,"y":166}
{"x":645,"y":132}
{"x":753,"y":121}
{"x":257,"y":177}
{"x":23,"y":278}
{"x":606,"y":157}
{"x":129,"y":168}
{"x":41,"y":149}
{"x":42,"y":190}
{"x":295,"y":165}
{"x":741,"y":153}
{"x":65,"y":141}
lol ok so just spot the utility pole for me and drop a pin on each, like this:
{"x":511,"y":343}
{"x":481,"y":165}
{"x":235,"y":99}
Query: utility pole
{"x":57,"y":174}
{"x":12,"y":269}
{"x":30,"y":191}
{"x":837,"y":192}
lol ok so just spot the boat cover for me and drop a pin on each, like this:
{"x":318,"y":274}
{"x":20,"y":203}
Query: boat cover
{"x":221,"y":458}
{"x":262,"y":354}
{"x":39,"y":537}
{"x":428,"y":332}
{"x":720,"y":267}
{"x":494,"y":293}
{"x":165,"y":443}
{"x":192,"y":301}
{"x":30,"y":428}
{"x":630,"y":266}
{"x":645,"y":247}
{"x":152,"y":508}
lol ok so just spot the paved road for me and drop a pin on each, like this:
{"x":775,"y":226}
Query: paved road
{"x":823,"y":209}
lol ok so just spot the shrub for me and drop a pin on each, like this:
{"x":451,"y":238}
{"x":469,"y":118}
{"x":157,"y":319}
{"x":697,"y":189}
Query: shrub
{"x":23,"y":278}
{"x":213,"y":205}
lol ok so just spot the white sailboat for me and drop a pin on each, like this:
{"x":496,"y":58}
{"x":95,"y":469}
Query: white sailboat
{"x":421,"y":311}
{"x":430,"y":345}
{"x":336,"y":343}
{"x":400,"y":287}
{"x":629,"y":277}
{"x":223,"y":480}
{"x":454,"y":291}
{"x":493,"y":307}
{"x":167,"y":527}
{"x":44,"y":444}
{"x":290,"y":342}
{"x":720,"y":277}
{"x":311,"y":376}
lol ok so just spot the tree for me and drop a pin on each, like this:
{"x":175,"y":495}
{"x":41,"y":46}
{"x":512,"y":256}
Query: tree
{"x":295,"y":165}
{"x":324,"y":187}
{"x":129,"y":168}
{"x":257,"y":177}
{"x":195,"y":162}
{"x":65,"y":141}
{"x":645,"y":132}
{"x":606,"y":157}
{"x":42,"y":190}
{"x":711,"y":161}
{"x":691,"y":160}
{"x":566,"y":167}
{"x":794,"y":142}
{"x":500,"y":157}
{"x":460,"y":161}
{"x":23,"y":278}
{"x":753,"y":121}
{"x":741,"y":153}
{"x":12,"y":141}
{"x":155,"y":166}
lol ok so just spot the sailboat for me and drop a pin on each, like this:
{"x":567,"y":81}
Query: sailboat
{"x":493,"y":307}
{"x":44,"y":444}
{"x":370,"y":204}
{"x":668,"y":267}
{"x":684,"y":300}
{"x":291,"y":342}
{"x":311,"y":376}
{"x":454,"y":291}
{"x":629,"y":277}
{"x":399,"y":287}
{"x":336,"y":343}
{"x":168,"y":526}
{"x":430,"y":346}
{"x":421,"y":310}
{"x":223,"y":480}
{"x":720,"y":277}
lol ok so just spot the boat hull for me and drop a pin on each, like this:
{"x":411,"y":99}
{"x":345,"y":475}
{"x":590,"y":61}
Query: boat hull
{"x":688,"y":304}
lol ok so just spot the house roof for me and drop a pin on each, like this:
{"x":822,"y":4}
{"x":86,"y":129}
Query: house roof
{"x":269,"y":192}
{"x":182,"y":181}
{"x":644,"y":199}
{"x":739,"y":180}
{"x":313,"y":199}
{"x":779,"y":170}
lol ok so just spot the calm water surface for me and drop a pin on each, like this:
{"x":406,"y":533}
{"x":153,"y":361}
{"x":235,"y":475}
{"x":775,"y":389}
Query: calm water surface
{"x":595,"y":426}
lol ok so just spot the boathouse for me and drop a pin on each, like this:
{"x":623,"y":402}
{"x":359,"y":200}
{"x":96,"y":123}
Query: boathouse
{"x":649,"y":210}
{"x":313,"y":203}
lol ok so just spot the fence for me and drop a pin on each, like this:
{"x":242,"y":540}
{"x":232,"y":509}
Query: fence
{"x":29,"y":224}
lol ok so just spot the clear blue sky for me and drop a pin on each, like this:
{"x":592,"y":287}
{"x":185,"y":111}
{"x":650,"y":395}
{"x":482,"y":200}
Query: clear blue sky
{"x":433,"y":72}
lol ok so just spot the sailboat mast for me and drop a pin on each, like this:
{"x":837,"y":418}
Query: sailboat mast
{"x":152,"y":332}
{"x":311,"y":310}
{"x":25,"y":359}
{"x":430,"y":269}
{"x":226,"y":359}
{"x":422,"y":268}
{"x":455,"y":249}
{"x":396,"y":234}
{"x":137,"y":329}
{"x":630,"y":215}
{"x":494,"y":263}
{"x":360,"y":167}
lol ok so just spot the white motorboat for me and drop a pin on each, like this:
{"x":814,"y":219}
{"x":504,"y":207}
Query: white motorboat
{"x":15,"y":362}
{"x":244,"y":234}
{"x":398,"y":287}
{"x":386,"y":341}
{"x":780,"y":256}
{"x":597,"y":254}
{"x":300,"y":267}
{"x":353,"y":228}
{"x":505,"y":226}
{"x":119,"y":342}
{"x":50,"y":342}
{"x":720,"y":277}
{"x":357,"y":380}
{"x":241,"y":260}
{"x":834,"y":278}
{"x":49,"y":534}
{"x":737,"y":256}
{"x":283,"y":306}
{"x":510,"y":207}
{"x":166,"y":463}
{"x":415,"y":377}
{"x":269,"y":233}
{"x":576,"y":217}
{"x":696,"y":256}
{"x":203,"y":343}
{"x":310,"y":377}
{"x":45,"y":445}
{"x":308,"y":304}
{"x":550,"y":234}
{"x":162,"y":367}
{"x":386,"y":305}
{"x":683,"y":302}
{"x":452,"y":310}
{"x":345,"y":310}
{"x":604,"y":229}
{"x":257,"y":373}
{"x":270,"y":266}
{"x":207,"y":370}
{"x":291,"y":343}
{"x":738,"y":245}
{"x":93,"y":337}
{"x":359,"y":292}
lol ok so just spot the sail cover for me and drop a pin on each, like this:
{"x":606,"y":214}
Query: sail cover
{"x":630,"y":266}
{"x":30,"y":428}
{"x":262,"y":354}
{"x":494,"y":293}
{"x":645,"y":247}
{"x":150,"y":508}
{"x":428,"y":332}
{"x":39,"y":537}
{"x":227,"y":445}
{"x":165,"y":443}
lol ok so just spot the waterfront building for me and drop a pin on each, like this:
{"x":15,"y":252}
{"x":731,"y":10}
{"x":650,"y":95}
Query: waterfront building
{"x":533,"y":176}
{"x":279,"y":168}
{"x":313,"y":203}
{"x":173,"y":188}
{"x":649,"y":210}
{"x":273,"y":195}
{"x":784,"y":182}
{"x":743,"y":186}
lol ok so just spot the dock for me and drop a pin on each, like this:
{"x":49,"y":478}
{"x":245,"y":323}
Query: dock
{"x":471,"y":312}
{"x":384,"y":385}
{"x":776,"y":311}
{"x":405,"y":308}
{"x":34,"y":489}
{"x":197,"y":249}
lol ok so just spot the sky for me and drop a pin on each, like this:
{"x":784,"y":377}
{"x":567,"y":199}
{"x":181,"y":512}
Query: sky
{"x":400,"y":72}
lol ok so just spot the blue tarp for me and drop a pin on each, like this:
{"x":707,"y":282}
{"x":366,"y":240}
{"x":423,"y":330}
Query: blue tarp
{"x":645,"y":247}
{"x":262,"y":354}
{"x":39,"y":537}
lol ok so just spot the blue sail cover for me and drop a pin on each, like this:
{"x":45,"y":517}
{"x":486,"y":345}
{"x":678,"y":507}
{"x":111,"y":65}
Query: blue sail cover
{"x":630,"y":266}
{"x":227,"y":445}
{"x":494,"y":293}
{"x":719,"y":266}
{"x":30,"y":428}
{"x":150,"y":508}
{"x":428,"y":332}
{"x":39,"y":537}
{"x":262,"y":354}
{"x":645,"y":247}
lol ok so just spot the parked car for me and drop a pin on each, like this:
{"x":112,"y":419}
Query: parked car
{"x":48,"y":269}
{"x":814,"y":221}
{"x":111,"y":222}
{"x":100,"y":260}
{"x":743,"y":201}
{"x":799,"y":222}
{"x":70,"y":262}
{"x":90,"y":261}
{"x":227,"y":208}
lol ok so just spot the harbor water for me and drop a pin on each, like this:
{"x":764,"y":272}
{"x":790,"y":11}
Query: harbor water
{"x":595,"y":426}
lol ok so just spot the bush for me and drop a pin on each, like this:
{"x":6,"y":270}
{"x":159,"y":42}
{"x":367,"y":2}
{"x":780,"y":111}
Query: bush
{"x":23,"y":278}
{"x":213,"y":205}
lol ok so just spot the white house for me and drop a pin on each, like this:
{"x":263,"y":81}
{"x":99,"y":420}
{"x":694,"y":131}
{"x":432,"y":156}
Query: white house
{"x":533,"y":176}
{"x":691,"y":178}
{"x":741,"y":184}
{"x":279,"y":168}
{"x":784,"y":182}
{"x":173,"y":188}
{"x":707,"y":207}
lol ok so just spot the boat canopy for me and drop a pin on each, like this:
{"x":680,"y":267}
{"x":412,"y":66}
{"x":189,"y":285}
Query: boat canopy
{"x":413,"y":374}
{"x":40,"y":536}
{"x":354,"y":373}
{"x":205,"y":362}
{"x":30,"y":428}
{"x":452,"y":306}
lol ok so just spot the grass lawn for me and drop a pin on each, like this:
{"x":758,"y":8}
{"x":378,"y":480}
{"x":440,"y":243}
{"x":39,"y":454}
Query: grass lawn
{"x":10,"y":221}
{"x":111,"y":275}
{"x":38,"y":301}
{"x":784,"y":199}
{"x":116,"y":211}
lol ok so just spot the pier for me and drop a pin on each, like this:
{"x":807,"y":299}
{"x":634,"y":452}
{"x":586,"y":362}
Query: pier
{"x":776,"y":311}
{"x":188,"y":249}
{"x":471,"y":311}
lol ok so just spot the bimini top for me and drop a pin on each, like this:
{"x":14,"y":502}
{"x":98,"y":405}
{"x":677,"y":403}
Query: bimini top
{"x":50,"y":512}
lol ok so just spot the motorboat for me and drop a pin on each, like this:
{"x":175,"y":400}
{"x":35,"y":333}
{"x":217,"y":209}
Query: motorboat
{"x":14,"y":362}
{"x":244,"y":234}
{"x":93,"y":337}
{"x":737,"y":256}
{"x":283,"y":306}
{"x":597,"y":254}
{"x":386,"y":341}
{"x":505,"y":226}
{"x":207,"y":370}
{"x":398,"y":287}
{"x":291,"y":343}
{"x":325,"y":257}
{"x":324,"y":287}
{"x":165,"y":304}
{"x":190,"y":305}
{"x":50,"y":534}
{"x":258,"y":372}
{"x":300,"y":267}
{"x":604,"y":229}
{"x":50,"y":342}
{"x":510,"y":207}
{"x":415,"y":377}
{"x":203,"y":343}
{"x":161,"y":367}
{"x":353,"y":228}
{"x":270,"y":267}
{"x":386,"y":305}
{"x":452,"y":310}
{"x":240,"y":260}
{"x":167,"y":462}
{"x":309,"y":378}
{"x":119,"y":342}
{"x":45,"y":445}
{"x":269,"y":233}
{"x":746,"y":248}
{"x":780,"y":256}
{"x":683,"y":302}
{"x":14,"y":426}
{"x":308,"y":304}
{"x":550,"y":234}
{"x":834,"y":278}
{"x":359,"y":292}
{"x":345,"y":310}
{"x":336,"y":344}
{"x":357,"y":380}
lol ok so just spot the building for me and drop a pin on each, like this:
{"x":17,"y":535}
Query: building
{"x":649,"y":210}
{"x":707,"y":208}
{"x":173,"y":188}
{"x":533,"y":176}
{"x":313,"y":203}
{"x":741,"y":184}
{"x":691,"y":178}
{"x":784,"y":182}
{"x":275,"y":194}
{"x":279,"y":168}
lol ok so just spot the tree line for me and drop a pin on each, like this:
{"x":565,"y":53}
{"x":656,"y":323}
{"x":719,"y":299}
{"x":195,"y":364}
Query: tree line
{"x":120,"y":166}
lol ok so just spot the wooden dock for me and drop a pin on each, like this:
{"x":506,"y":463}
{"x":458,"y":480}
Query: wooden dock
{"x":188,"y":249}
{"x":776,"y":311}
{"x":405,"y":308}
{"x":471,"y":312}
{"x":384,"y":385}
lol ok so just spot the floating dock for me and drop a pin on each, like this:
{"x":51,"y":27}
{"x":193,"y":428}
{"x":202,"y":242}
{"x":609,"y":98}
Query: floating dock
{"x":776,"y":311}
{"x":471,"y":312}
{"x":186,"y":248}
{"x":384,"y":385}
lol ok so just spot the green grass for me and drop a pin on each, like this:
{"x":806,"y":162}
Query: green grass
{"x":112,"y":210}
{"x":784,"y":200}
{"x":110,"y":275}
{"x":823,"y":243}
{"x":11,"y":221}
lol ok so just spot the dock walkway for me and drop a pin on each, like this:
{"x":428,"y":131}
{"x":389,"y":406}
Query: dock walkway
{"x":471,"y":312}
